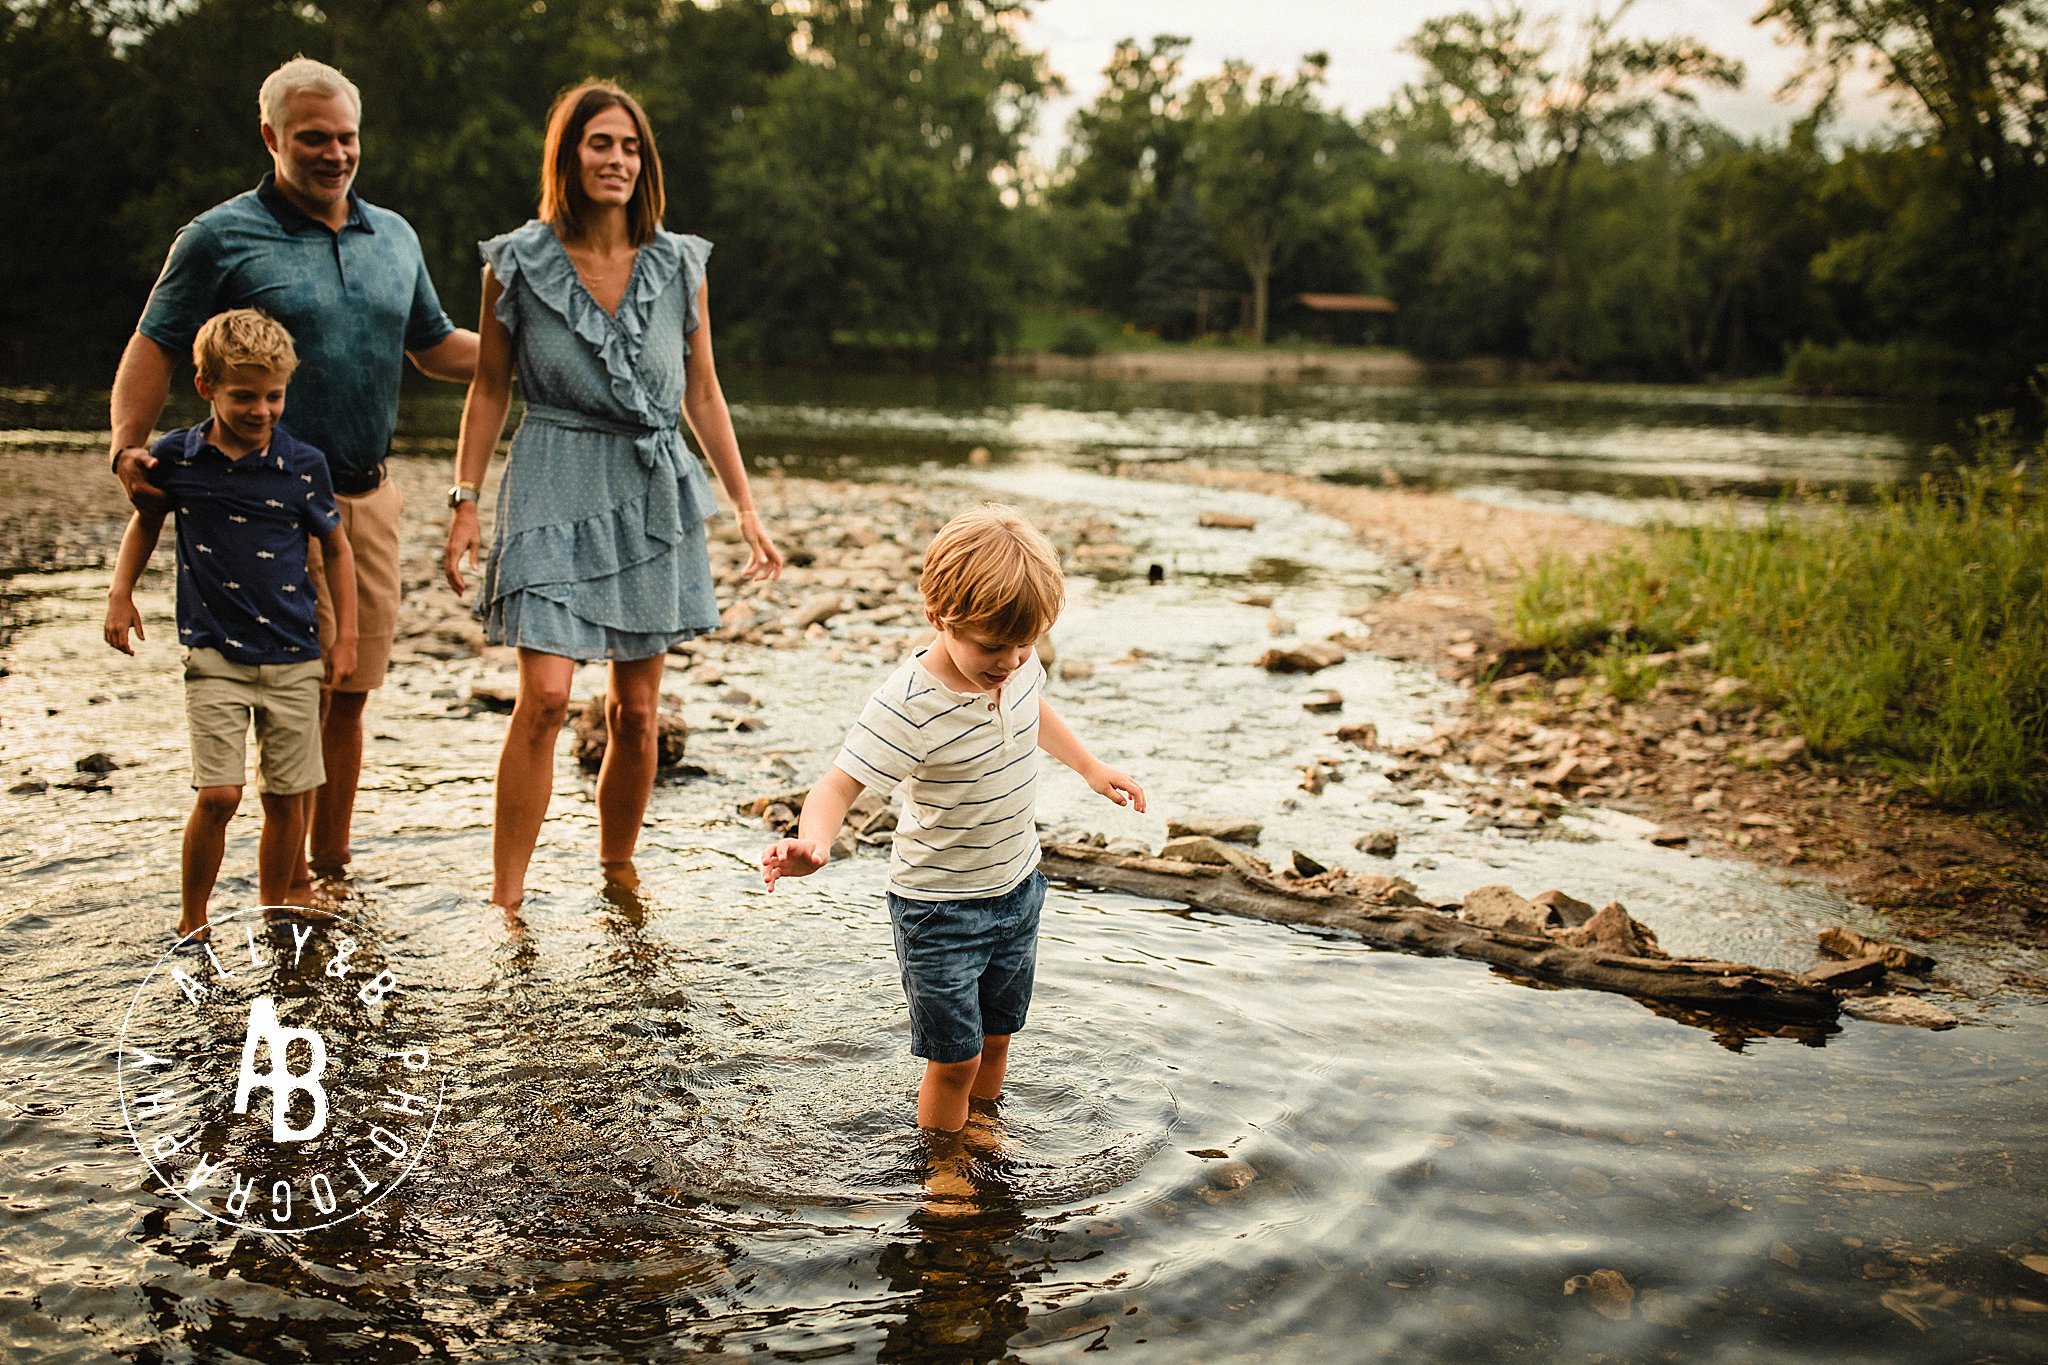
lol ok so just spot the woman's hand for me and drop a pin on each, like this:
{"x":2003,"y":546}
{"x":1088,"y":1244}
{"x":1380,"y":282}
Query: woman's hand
{"x":763,"y":559}
{"x":463,"y":542}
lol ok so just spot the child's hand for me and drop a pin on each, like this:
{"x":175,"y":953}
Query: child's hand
{"x":1116,"y":786}
{"x":793,"y":858}
{"x":341,"y":659}
{"x":122,"y":617}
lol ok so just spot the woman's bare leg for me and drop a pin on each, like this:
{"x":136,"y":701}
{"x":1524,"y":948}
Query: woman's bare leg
{"x":632,"y":719}
{"x":526,"y":770}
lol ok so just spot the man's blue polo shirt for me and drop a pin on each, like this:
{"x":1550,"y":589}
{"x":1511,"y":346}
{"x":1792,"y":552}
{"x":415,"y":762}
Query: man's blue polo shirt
{"x":355,"y":301}
{"x":242,"y":528}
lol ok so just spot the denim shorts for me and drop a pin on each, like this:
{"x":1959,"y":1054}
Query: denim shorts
{"x":967,"y":967}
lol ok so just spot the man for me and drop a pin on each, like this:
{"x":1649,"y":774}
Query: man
{"x":348,"y":281}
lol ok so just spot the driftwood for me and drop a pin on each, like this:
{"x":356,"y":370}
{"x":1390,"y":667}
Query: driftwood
{"x":1349,"y":904}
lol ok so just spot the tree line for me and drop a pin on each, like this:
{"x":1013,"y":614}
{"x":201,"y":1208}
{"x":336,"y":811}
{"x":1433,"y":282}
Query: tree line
{"x":1546,"y":190}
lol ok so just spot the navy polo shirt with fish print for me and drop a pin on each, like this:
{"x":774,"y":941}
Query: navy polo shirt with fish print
{"x":242,"y":527}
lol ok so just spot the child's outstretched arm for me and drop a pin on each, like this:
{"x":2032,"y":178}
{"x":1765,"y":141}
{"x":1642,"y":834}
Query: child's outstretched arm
{"x":1063,"y":744}
{"x":824,"y":812}
{"x":138,"y":543}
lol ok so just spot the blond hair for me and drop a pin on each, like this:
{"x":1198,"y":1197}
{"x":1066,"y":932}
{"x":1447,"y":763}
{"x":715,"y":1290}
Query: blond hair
{"x":302,"y":76}
{"x":991,"y":572}
{"x":243,"y":337}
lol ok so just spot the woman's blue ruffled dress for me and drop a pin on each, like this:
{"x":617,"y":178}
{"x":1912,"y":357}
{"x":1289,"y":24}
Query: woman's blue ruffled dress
{"x":599,"y":549}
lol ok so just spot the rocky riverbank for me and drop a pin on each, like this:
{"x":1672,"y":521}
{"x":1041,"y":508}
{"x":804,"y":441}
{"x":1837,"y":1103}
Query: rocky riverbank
{"x":1695,"y":752}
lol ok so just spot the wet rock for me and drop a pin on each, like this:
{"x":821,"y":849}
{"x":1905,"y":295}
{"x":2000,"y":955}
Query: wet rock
{"x":590,"y":736}
{"x":1669,"y":836}
{"x":1228,"y":521}
{"x":1498,"y":907}
{"x":1846,"y":975}
{"x":96,"y":763}
{"x":978,"y":456}
{"x":1379,"y":843}
{"x":1365,"y":735}
{"x":1257,"y":599}
{"x":1076,"y":670}
{"x":493,"y":696}
{"x":1607,"y":1292}
{"x":1396,"y":891}
{"x":1613,"y":931}
{"x":29,"y":786}
{"x":1322,"y":703}
{"x":1900,"y":1008}
{"x":1231,"y":1175}
{"x":1566,"y":911}
{"x":1211,"y":852}
{"x":1229,"y":831}
{"x":1305,"y":866}
{"x":1847,"y":943}
{"x":1311,"y":657}
{"x":1048,"y":653}
{"x":737,"y":619}
{"x":759,"y":806}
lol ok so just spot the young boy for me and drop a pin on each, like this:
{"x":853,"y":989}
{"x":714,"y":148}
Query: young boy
{"x":959,"y":724}
{"x":247,"y":495}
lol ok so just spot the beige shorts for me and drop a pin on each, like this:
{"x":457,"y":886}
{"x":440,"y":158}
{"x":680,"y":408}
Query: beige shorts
{"x":223,"y":697}
{"x":371,"y":523}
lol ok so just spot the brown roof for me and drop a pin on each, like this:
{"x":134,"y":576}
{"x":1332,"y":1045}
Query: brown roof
{"x":1346,"y":303}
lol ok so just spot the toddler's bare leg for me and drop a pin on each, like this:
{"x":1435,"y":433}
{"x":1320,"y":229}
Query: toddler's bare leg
{"x":993,"y":1065}
{"x":942,"y":1097}
{"x":206,"y":838}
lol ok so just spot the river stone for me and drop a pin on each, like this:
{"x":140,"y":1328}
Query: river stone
{"x":1498,"y":907}
{"x":1843,"y":942}
{"x":1228,"y":521}
{"x":1210,"y":852}
{"x":29,"y":786}
{"x":1365,"y":735}
{"x":1668,"y":836}
{"x":1608,"y":1293}
{"x":1324,"y":702}
{"x":1305,"y":866}
{"x":1613,"y":931}
{"x":96,"y":763}
{"x":1379,"y":843}
{"x":1900,"y":1009}
{"x":1564,"y":910}
{"x":1228,"y":830}
{"x":1843,"y":975}
{"x":1311,"y":657}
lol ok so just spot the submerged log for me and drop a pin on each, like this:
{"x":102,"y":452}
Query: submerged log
{"x":1339,"y":901}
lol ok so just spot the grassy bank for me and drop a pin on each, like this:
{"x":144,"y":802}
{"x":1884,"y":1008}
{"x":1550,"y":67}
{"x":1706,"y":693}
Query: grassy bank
{"x":1914,"y":632}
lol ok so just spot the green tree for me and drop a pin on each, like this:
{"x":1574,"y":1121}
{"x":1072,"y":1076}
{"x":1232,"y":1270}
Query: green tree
{"x":1511,"y":95}
{"x":873,"y":186}
{"x":1265,"y":153}
{"x":1181,"y":261}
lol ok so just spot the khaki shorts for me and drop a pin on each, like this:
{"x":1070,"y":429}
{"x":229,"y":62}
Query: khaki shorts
{"x":371,"y":523}
{"x":222,"y":697}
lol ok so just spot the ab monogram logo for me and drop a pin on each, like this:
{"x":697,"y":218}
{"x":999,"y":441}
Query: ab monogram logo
{"x":274,"y":1077}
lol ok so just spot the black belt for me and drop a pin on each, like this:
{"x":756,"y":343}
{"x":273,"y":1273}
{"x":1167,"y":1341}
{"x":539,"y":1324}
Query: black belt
{"x":356,"y":482}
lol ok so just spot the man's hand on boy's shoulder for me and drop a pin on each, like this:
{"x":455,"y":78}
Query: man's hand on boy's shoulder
{"x":793,"y":858}
{"x":122,"y":617}
{"x":1117,"y":786}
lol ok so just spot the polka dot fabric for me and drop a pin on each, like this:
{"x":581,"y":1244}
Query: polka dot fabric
{"x":599,"y":550}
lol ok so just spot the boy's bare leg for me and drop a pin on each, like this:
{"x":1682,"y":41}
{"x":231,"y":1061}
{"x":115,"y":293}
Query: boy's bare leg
{"x":334,"y":805}
{"x":632,"y":713}
{"x":279,"y":850}
{"x":526,"y":770}
{"x":206,"y":838}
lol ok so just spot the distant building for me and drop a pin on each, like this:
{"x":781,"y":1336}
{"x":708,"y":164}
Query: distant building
{"x":1341,"y":319}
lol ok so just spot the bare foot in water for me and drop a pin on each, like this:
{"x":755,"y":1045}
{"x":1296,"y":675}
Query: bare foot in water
{"x":949,"y":1188}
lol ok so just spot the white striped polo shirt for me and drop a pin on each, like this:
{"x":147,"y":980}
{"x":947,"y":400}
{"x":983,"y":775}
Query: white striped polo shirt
{"x":968,"y":763}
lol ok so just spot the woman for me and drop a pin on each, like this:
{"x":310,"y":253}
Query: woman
{"x":599,"y":550}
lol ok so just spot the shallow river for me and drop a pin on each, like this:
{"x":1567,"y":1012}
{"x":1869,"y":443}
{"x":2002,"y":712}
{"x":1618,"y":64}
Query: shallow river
{"x":678,"y":1122}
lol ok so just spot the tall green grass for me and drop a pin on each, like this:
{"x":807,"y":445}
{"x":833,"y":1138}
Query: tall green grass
{"x":1914,"y":631}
